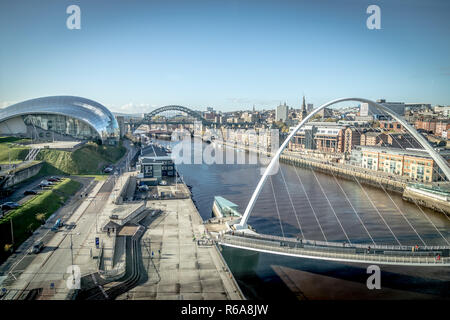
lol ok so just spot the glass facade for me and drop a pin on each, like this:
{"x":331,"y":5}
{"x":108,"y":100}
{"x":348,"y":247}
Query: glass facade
{"x":63,"y":125}
{"x":75,"y":116}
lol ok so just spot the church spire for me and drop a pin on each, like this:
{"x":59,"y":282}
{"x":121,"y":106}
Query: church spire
{"x":303,"y":111}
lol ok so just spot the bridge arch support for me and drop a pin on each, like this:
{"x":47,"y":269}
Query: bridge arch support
{"x":188,"y":111}
{"x":435,"y":155}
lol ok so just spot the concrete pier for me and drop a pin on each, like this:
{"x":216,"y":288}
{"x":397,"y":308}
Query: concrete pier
{"x":177,"y":266}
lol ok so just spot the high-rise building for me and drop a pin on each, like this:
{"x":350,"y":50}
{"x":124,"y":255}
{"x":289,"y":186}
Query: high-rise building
{"x":282,"y":113}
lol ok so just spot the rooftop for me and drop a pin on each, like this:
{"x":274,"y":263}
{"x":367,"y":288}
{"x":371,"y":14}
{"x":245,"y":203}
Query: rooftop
{"x":411,"y":152}
{"x":154,"y":151}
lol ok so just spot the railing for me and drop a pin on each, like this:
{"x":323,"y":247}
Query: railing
{"x":278,"y":247}
{"x":334,"y":244}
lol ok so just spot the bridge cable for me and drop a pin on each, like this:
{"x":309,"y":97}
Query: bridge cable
{"x":415,"y":202}
{"x":354,"y":210}
{"x":399,"y":210}
{"x":310,"y":204}
{"x":370,"y":200}
{"x":292,"y":204}
{"x":276,"y":205}
{"x":378,"y":211}
{"x":323,"y":191}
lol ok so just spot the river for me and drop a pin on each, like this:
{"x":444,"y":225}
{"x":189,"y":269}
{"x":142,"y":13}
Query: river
{"x":300,"y":202}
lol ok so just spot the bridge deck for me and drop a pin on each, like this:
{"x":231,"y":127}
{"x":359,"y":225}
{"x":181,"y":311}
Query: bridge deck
{"x":345,"y":253}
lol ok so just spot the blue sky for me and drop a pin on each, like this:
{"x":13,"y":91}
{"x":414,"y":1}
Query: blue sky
{"x":133,"y":56}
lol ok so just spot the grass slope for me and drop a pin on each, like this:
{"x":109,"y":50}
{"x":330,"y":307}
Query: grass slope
{"x":32,"y":213}
{"x":11,"y":151}
{"x":89,"y":159}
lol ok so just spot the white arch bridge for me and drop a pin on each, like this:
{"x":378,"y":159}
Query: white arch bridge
{"x":242,"y":237}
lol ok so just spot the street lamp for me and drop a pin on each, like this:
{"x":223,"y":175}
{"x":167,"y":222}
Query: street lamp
{"x":71,"y":253}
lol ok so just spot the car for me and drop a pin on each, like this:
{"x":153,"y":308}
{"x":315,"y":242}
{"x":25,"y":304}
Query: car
{"x":163,"y":183}
{"x":143,"y":187}
{"x":108,"y":170}
{"x":58,"y":224}
{"x":44,"y":183}
{"x":30,"y":192}
{"x":37,"y":247}
{"x":52,"y":180}
{"x":56,"y":178}
{"x":10,"y":205}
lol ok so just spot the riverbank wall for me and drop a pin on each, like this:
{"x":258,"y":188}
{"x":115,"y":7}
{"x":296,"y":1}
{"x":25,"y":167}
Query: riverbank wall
{"x":371,"y":179}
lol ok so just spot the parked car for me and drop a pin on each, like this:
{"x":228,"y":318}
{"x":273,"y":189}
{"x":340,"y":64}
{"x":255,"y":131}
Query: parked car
{"x":45,"y":183}
{"x":52,"y":180}
{"x":108,"y":170}
{"x":143,"y":187}
{"x":10,"y":205}
{"x":30,"y":192}
{"x":37,"y":247}
{"x":163,"y":183}
{"x":56,"y":178}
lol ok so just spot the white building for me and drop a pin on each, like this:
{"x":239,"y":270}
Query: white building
{"x":282,"y":113}
{"x":368,"y":110}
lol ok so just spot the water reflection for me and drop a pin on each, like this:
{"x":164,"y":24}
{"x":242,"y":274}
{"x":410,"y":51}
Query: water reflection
{"x":321,"y":207}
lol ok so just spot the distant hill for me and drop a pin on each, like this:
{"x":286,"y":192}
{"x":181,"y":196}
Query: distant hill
{"x":128,"y":115}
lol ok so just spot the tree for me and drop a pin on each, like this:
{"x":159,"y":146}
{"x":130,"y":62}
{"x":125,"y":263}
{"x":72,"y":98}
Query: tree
{"x":40,"y":217}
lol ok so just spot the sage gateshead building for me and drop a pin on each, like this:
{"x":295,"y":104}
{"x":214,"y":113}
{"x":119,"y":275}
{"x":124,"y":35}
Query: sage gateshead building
{"x":60,"y":117}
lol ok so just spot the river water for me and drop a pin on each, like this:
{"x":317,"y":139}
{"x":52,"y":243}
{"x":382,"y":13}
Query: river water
{"x":301,"y":202}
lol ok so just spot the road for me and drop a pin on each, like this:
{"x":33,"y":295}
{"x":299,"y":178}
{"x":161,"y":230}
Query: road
{"x":51,"y":264}
{"x":25,"y":272}
{"x":19,"y":260}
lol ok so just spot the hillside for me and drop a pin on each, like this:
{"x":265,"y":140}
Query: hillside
{"x":89,"y":159}
{"x":10,"y":150}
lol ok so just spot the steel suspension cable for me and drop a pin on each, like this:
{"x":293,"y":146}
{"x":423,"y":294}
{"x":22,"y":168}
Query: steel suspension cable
{"x":292,"y":204}
{"x":310,"y":204}
{"x":276,"y":205}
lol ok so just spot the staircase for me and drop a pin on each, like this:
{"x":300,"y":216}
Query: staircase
{"x":31,"y":156}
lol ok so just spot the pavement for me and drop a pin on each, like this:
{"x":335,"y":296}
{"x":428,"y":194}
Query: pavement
{"x":177,"y":267}
{"x":55,"y":145}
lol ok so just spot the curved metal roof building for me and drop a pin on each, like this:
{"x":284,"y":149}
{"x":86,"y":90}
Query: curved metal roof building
{"x":62,"y":114}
